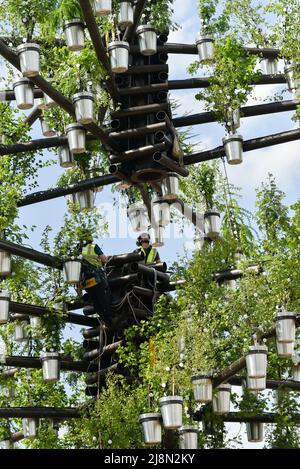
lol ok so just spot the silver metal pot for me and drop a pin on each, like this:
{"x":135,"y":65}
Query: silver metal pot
{"x":285,"y":326}
{"x":269,"y":66}
{"x":20,"y":333}
{"x":30,"y":427}
{"x":205,"y":45}
{"x":221,"y":401}
{"x":36,"y":325}
{"x":74,"y":34}
{"x":202,"y":387}
{"x":86,"y":199}
{"x":151,"y":428}
{"x":233,"y":145}
{"x":29,"y":55}
{"x":102,"y":7}
{"x":285,"y":349}
{"x":256,"y":384}
{"x":161,"y":212}
{"x":171,"y":411}
{"x":84,"y":107}
{"x":138,"y":217}
{"x":71,"y":271}
{"x":51,"y":366}
{"x":76,"y":134}
{"x":5,"y":263}
{"x":290,"y":73}
{"x":188,"y":437}
{"x":170,"y":187}
{"x":147,"y":39}
{"x":119,"y":56}
{"x":6,"y":444}
{"x":157,"y":236}
{"x":66,"y":159}
{"x":23,"y":89}
{"x":49,"y":102}
{"x":71,"y":198}
{"x":212,"y":223}
{"x":4,"y":306}
{"x":296,"y":373}
{"x":125,"y":17}
{"x":255,"y":432}
{"x":46,"y":131}
{"x":256,"y":361}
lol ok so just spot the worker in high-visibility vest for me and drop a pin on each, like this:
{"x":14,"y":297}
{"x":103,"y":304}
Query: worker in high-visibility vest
{"x":144,"y":245}
{"x":94,"y":279}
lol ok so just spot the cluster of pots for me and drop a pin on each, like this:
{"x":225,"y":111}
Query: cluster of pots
{"x":171,"y":417}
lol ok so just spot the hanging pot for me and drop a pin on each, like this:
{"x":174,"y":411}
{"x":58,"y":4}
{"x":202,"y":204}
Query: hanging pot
{"x":212,"y":224}
{"x":5,"y":264}
{"x":125,"y":17}
{"x":71,"y":199}
{"x":221,"y":401}
{"x":66,"y":159}
{"x":102,"y":7}
{"x":84,"y":107}
{"x":285,"y":327}
{"x":29,"y":55}
{"x":6,"y":444}
{"x":151,"y":428}
{"x":119,"y":56}
{"x":233,"y":145}
{"x":74,"y":34}
{"x":161,"y":212}
{"x":188,"y":437}
{"x":170,"y":187}
{"x":296,"y":373}
{"x":86,"y":199}
{"x":292,"y":74}
{"x":256,"y":384}
{"x":71,"y":271}
{"x":20,"y":334}
{"x":269,"y":66}
{"x":202,"y":387}
{"x":49,"y":102}
{"x":230,"y":284}
{"x":205,"y":45}
{"x":147,"y":39}
{"x":256,"y":361}
{"x":255,"y":432}
{"x":51,"y":366}
{"x":138,"y":217}
{"x":30,"y":426}
{"x":285,"y":349}
{"x":36,"y":325}
{"x":157,"y":235}
{"x":23,"y":89}
{"x":171,"y":411}
{"x":4,"y":306}
{"x":76,"y":134}
{"x":46,"y":131}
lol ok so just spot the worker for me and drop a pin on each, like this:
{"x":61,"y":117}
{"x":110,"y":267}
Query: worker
{"x":94,"y":279}
{"x":144,"y":245}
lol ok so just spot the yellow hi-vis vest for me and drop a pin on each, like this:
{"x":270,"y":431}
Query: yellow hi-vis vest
{"x":89,"y":255}
{"x":151,"y":256}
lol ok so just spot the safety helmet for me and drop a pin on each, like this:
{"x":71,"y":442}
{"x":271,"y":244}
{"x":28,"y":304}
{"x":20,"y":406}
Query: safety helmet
{"x":142,"y":236}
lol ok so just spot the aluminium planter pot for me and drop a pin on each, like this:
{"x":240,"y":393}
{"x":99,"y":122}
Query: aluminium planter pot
{"x":36,"y":325}
{"x":269,"y":66}
{"x":212,"y":222}
{"x":285,"y":326}
{"x":138,"y":217}
{"x":5,"y":263}
{"x":85,"y":199}
{"x":71,"y":271}
{"x":102,"y":7}
{"x":205,"y":46}
{"x":66,"y":159}
{"x":125,"y":16}
{"x":285,"y":349}
{"x":170,"y":187}
{"x":84,"y":107}
{"x":292,"y":74}
{"x":46,"y":130}
{"x":20,"y":333}
{"x":151,"y":424}
{"x":29,"y":55}
{"x":233,"y":145}
{"x":49,"y":102}
{"x":6,"y":444}
{"x":188,"y":437}
{"x":71,"y":199}
{"x":171,"y":411}
{"x":256,"y":384}
{"x":4,"y":306}
{"x":202,"y":387}
{"x":23,"y":89}
{"x":119,"y":56}
{"x":51,"y":366}
{"x":256,"y":361}
{"x":221,"y":400}
{"x":74,"y":34}
{"x":161,"y":212}
{"x":157,"y":235}
{"x":255,"y":432}
{"x":76,"y":134}
{"x":296,"y":373}
{"x":30,"y":427}
{"x":147,"y":39}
